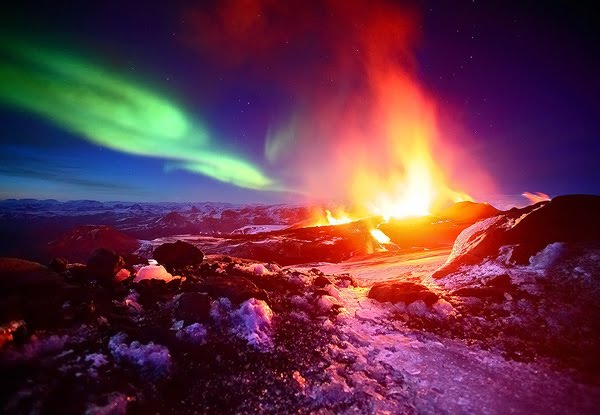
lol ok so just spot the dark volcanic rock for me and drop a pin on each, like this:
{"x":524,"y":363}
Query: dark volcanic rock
{"x":78,"y":244}
{"x":132,"y":259}
{"x":492,"y":293}
{"x":501,"y":282}
{"x":494,"y":289}
{"x":30,"y":291}
{"x":572,"y":218}
{"x":58,"y":264}
{"x":236,"y":289}
{"x":321,"y":281}
{"x":20,"y":276}
{"x":406,"y":292}
{"x":193,"y":307}
{"x":104,"y":263}
{"x":178,"y":254}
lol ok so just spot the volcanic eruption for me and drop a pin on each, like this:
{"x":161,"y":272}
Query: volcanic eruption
{"x":307,"y":227}
{"x":360,"y":129}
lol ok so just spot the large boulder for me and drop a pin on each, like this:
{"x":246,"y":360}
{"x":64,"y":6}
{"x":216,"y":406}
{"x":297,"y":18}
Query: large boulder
{"x":527,"y":282}
{"x":522,"y":233}
{"x":104,"y":263}
{"x":178,"y":254}
{"x":406,"y":292}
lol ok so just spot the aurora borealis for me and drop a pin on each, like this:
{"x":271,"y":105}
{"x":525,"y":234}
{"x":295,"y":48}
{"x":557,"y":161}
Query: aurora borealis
{"x":260,"y":101}
{"x":111,"y":111}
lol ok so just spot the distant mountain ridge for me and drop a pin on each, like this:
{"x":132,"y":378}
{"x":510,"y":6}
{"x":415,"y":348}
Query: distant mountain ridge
{"x":29,"y":225}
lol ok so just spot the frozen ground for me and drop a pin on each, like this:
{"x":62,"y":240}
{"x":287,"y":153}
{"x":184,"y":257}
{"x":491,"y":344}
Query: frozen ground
{"x":440,"y":375}
{"x":240,"y":336}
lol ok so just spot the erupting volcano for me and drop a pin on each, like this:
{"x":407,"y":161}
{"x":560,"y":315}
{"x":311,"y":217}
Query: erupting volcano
{"x":307,"y":207}
{"x":367,"y":136}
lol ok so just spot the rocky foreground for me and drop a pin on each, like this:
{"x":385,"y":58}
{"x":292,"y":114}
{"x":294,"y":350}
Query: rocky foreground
{"x":507,"y":322}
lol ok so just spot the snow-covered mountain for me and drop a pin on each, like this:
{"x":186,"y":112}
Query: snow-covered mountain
{"x":30,"y":225}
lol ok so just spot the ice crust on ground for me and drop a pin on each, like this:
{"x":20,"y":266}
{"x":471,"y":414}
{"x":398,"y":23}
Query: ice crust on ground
{"x":397,"y":370}
{"x":433,"y":374}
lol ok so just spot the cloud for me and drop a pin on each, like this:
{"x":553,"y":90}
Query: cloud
{"x":17,"y":165}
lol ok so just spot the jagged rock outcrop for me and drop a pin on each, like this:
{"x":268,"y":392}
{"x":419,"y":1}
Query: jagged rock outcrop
{"x":522,"y":233}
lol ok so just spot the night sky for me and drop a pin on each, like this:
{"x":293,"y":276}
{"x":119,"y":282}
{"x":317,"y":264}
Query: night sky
{"x":191,"y":101}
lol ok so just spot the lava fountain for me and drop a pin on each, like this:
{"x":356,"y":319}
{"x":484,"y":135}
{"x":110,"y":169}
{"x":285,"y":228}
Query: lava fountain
{"x":358,"y":127}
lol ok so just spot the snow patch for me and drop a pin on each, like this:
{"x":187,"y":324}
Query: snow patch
{"x":332,"y":291}
{"x":471,"y":237}
{"x":254,"y":229}
{"x":444,"y":309}
{"x":254,"y":323}
{"x":547,"y":256}
{"x":417,"y":308}
{"x":152,"y":359}
{"x":97,"y":359}
{"x":220,"y":309}
{"x":299,"y":301}
{"x":326,"y":303}
{"x":154,"y":272}
{"x":259,"y":269}
{"x":274,"y":268}
{"x":194,"y":333}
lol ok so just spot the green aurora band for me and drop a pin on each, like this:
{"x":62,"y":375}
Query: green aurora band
{"x":108,"y":109}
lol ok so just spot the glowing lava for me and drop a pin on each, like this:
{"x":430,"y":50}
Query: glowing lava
{"x":343,"y":218}
{"x":380,"y":237}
